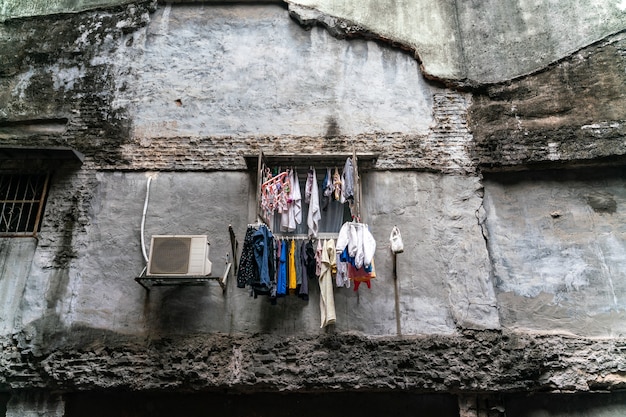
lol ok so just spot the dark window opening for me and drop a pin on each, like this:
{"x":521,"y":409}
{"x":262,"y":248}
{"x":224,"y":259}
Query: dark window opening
{"x":22,"y":201}
{"x":333,"y":213}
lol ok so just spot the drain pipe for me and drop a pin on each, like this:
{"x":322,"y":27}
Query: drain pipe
{"x":143,"y":219}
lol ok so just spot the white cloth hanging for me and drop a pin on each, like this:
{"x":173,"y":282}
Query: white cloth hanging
{"x":327,"y":298}
{"x":341,"y":277}
{"x":359,"y":241}
{"x":314,"y":215}
{"x":287,"y":222}
{"x":296,"y":196}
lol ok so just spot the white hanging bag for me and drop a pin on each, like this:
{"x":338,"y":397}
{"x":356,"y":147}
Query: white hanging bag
{"x":396,"y":240}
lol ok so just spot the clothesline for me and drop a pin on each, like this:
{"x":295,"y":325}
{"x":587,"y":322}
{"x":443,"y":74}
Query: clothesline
{"x":280,"y":194}
{"x":320,"y":236}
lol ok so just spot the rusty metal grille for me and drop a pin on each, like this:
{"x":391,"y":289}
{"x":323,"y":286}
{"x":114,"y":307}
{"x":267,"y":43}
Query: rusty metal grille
{"x":22,"y":199}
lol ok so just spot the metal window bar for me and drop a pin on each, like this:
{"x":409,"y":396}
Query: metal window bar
{"x":22,"y":198}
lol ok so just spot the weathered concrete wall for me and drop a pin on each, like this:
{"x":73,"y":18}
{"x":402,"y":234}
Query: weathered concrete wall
{"x":183,"y":93}
{"x":88,"y":282}
{"x":474,"y":361}
{"x":443,"y":275}
{"x":466,"y":41}
{"x":15,"y":262}
{"x":480,"y":41}
{"x":11,"y":9}
{"x":94,"y":288}
{"x":557,"y":242}
{"x":251,"y":71}
{"x":430,"y":28}
{"x":504,"y":40}
{"x":572,"y":112}
{"x":59,"y":80}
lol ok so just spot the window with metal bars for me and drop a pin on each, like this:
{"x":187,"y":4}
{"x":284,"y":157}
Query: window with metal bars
{"x":22,"y":201}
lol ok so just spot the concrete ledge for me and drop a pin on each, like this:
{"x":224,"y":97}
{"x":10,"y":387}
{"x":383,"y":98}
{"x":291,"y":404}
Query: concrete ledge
{"x":474,"y":361}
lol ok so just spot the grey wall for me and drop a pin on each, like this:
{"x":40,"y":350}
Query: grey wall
{"x":238,"y":94}
{"x":483,"y":41}
{"x":15,"y":261}
{"x":556,"y":258}
{"x":557,"y":246}
{"x":251,"y":70}
{"x":489,"y":263}
{"x":10,"y":9}
{"x":504,"y":40}
{"x":443,"y":275}
{"x":106,"y":295}
{"x":469,"y":41}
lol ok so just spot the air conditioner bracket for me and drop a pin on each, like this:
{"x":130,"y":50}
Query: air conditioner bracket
{"x":189,"y":281}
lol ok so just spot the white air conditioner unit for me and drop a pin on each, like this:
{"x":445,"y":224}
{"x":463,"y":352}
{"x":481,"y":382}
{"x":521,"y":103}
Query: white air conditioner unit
{"x":179,"y":255}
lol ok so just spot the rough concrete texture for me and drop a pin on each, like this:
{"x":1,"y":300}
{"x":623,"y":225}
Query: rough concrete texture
{"x":443,"y":275}
{"x":59,"y":80}
{"x":429,"y":28}
{"x":466,"y":41}
{"x":137,"y":71}
{"x":571,"y":112}
{"x":12,"y":9}
{"x":476,"y":279}
{"x":480,"y":42}
{"x":98,"y":291}
{"x":505,"y":40}
{"x":94,"y":288}
{"x":556,"y":241}
{"x":482,"y":361}
{"x":15,"y":262}
{"x":251,"y":71}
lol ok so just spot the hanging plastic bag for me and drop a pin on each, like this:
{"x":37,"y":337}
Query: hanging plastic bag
{"x":396,"y":240}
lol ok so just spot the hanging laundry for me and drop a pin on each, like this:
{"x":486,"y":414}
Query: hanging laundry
{"x":361,"y":275}
{"x":304,"y":268}
{"x":292,"y":279}
{"x":336,"y":185}
{"x":285,"y":208}
{"x":359,"y":241}
{"x":281,"y":280}
{"x":356,"y":247}
{"x":257,"y":267}
{"x":298,"y":261}
{"x":314,"y":215}
{"x":308,"y":186}
{"x":327,"y":298}
{"x":347,"y":179}
{"x":318,"y":258}
{"x":263,"y":242}
{"x":247,"y":271}
{"x":272,"y":193}
{"x":327,"y":189}
{"x":310,"y":261}
{"x":296,"y":196}
{"x":341,"y":278}
{"x":292,"y":216}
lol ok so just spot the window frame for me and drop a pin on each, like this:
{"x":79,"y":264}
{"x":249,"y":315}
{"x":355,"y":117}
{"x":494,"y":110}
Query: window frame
{"x":361,"y":162}
{"x":32,"y":227}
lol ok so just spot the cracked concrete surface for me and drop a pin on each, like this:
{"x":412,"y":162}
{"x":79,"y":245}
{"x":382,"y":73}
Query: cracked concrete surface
{"x":506,"y":285}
